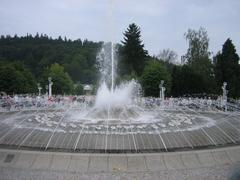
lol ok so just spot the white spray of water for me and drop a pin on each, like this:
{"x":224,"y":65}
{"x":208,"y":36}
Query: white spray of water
{"x":112,"y":58}
{"x":106,"y":63}
{"x":112,"y":99}
{"x":121,"y":96}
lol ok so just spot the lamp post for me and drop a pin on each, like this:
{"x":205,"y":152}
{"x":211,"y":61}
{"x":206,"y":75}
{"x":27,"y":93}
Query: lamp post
{"x":50,"y":83}
{"x":39,"y":89}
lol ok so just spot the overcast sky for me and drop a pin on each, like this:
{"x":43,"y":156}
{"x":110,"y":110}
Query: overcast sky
{"x":162,"y":22}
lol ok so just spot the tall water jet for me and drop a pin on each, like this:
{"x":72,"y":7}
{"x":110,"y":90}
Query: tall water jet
{"x":113,"y":102}
{"x":106,"y":64}
{"x":112,"y":59}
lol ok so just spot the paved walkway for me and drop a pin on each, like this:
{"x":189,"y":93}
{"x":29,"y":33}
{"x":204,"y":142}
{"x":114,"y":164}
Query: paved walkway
{"x":221,"y":163}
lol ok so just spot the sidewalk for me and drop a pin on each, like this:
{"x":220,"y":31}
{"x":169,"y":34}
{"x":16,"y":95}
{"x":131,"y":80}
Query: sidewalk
{"x":218,"y":163}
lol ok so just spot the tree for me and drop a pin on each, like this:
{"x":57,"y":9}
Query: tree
{"x":177,"y":81}
{"x":29,"y":80}
{"x":152,"y":75}
{"x":191,"y":82}
{"x":40,"y":51}
{"x":14,"y":78}
{"x":198,"y":43}
{"x":62,"y":83}
{"x":185,"y":81}
{"x":197,"y":58}
{"x":167,"y":55}
{"x":227,"y":68}
{"x":77,"y":63}
{"x":78,"y":89}
{"x":134,"y":55}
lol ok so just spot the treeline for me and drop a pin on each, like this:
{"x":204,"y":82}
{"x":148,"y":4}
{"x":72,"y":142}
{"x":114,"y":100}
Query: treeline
{"x":200,"y":73}
{"x":39,"y":54}
{"x":26,"y":61}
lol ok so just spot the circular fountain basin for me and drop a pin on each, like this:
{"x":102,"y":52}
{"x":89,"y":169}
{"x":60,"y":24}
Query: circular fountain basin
{"x":147,"y":131}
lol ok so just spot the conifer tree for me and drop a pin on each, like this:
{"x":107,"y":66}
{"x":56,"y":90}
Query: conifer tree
{"x":134,"y":55}
{"x":227,"y":68}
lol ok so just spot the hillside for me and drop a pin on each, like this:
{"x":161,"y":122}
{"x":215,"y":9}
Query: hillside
{"x":40,"y":51}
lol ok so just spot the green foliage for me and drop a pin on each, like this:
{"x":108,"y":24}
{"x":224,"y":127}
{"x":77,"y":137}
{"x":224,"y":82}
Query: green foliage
{"x":24,"y":59}
{"x":78,"y":89}
{"x":133,"y":54}
{"x":62,"y":83}
{"x":187,"y":81}
{"x":177,"y":81}
{"x":39,"y":52}
{"x":199,"y":65}
{"x":15,"y":78}
{"x":192,"y":82}
{"x":198,"y":42}
{"x":227,"y":68}
{"x":152,"y":75}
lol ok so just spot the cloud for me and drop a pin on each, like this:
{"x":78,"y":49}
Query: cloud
{"x":163,"y":22}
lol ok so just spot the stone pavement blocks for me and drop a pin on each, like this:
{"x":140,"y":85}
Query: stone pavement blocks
{"x":60,"y":162}
{"x":179,"y":174}
{"x":78,"y":163}
{"x":147,"y":176}
{"x":2,"y":157}
{"x":234,"y":154}
{"x":155,"y":162}
{"x":136,"y":163}
{"x":210,"y":173}
{"x":42,"y":161}
{"x":173,"y":161}
{"x":190,"y":160}
{"x":117,"y":163}
{"x":25,"y":160}
{"x":221,"y":157}
{"x":9,"y":159}
{"x":98,"y":164}
{"x":206,"y":159}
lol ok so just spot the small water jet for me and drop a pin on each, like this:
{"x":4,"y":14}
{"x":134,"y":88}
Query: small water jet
{"x":115,"y":104}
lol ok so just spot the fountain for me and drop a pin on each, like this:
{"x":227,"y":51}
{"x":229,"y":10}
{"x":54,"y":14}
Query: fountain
{"x":119,"y":119}
{"x":113,"y":102}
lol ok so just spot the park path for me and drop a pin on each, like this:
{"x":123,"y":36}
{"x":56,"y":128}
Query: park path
{"x":219,"y":163}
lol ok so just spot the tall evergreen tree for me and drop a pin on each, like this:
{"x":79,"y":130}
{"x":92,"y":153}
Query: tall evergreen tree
{"x":227,"y":68}
{"x":134,"y":55}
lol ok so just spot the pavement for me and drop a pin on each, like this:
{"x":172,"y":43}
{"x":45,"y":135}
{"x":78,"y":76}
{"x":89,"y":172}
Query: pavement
{"x":219,"y":163}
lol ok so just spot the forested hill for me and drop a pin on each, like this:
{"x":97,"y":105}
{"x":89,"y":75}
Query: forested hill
{"x":27,"y":61}
{"x":40,"y":51}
